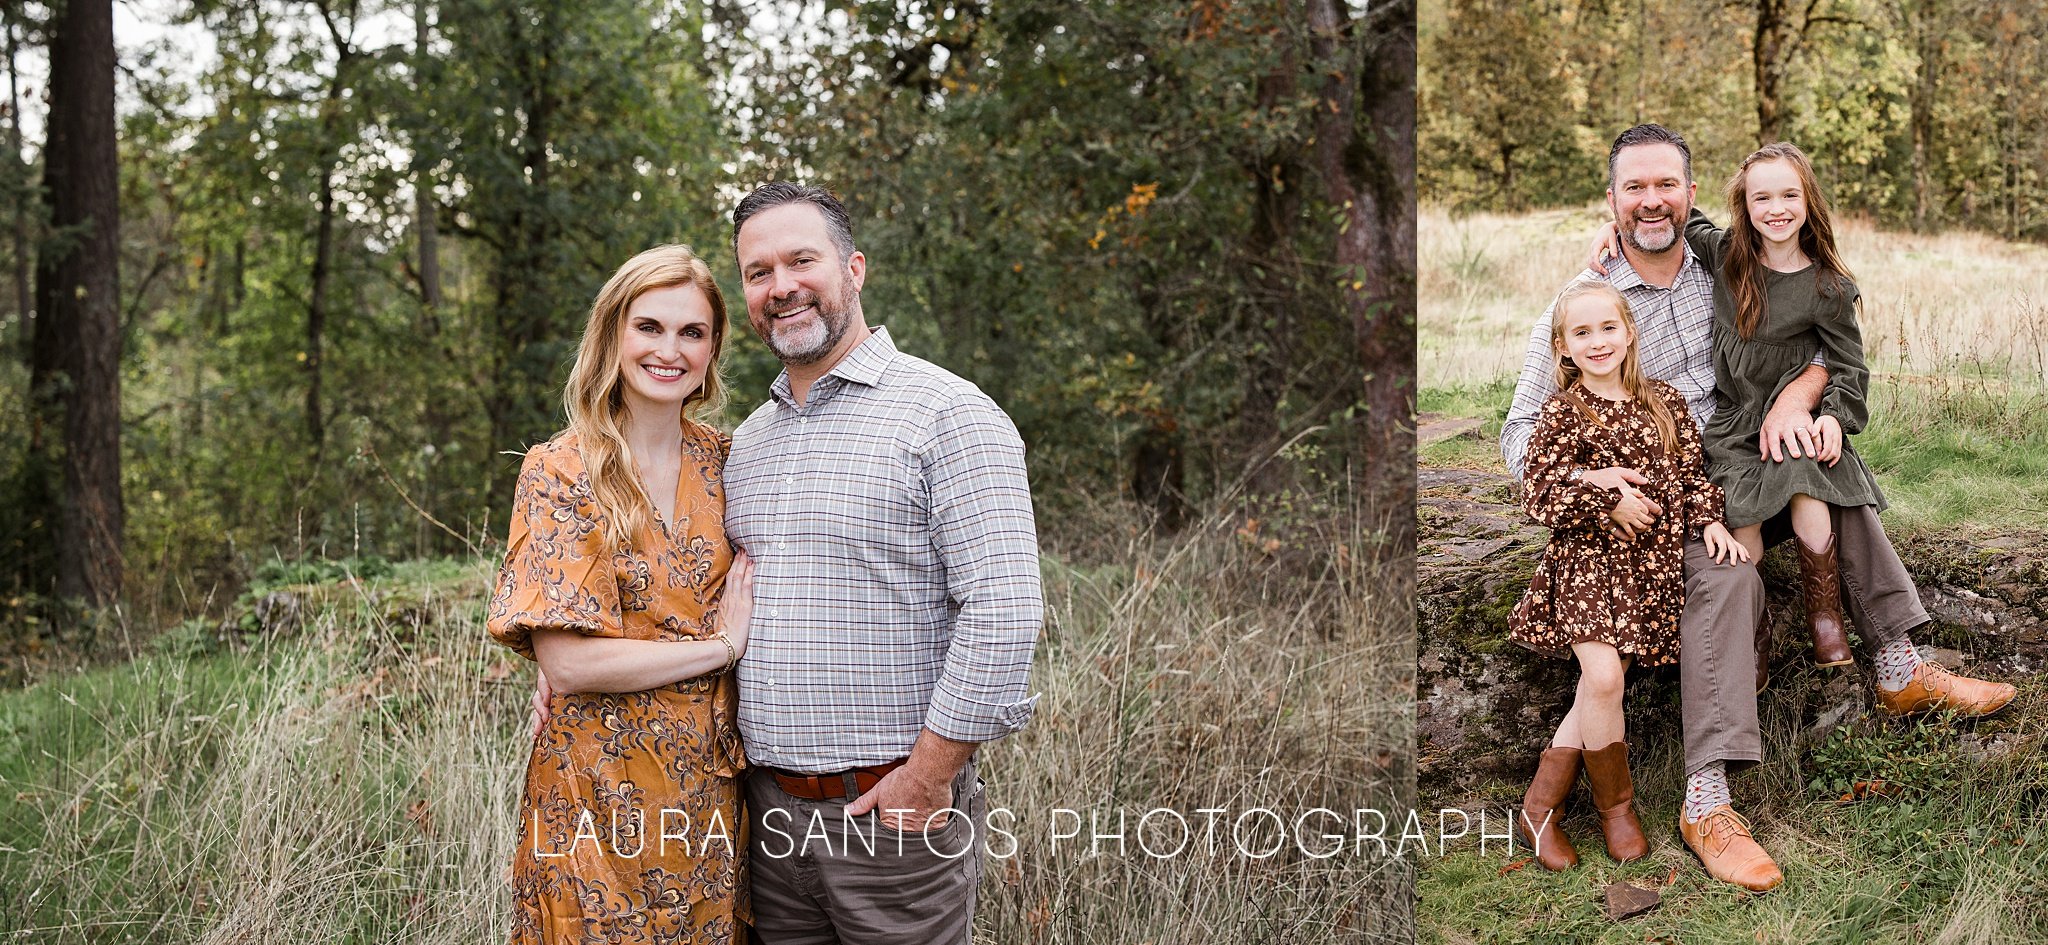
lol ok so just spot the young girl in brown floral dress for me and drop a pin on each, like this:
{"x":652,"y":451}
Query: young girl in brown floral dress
{"x":1610,"y":588}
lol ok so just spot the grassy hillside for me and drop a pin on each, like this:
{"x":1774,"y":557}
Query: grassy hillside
{"x":352,"y":778}
{"x":1955,"y":327}
{"x":1954,"y":847}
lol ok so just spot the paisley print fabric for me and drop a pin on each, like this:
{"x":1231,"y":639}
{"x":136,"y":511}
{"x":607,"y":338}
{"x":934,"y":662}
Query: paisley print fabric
{"x":1592,"y":586}
{"x":630,"y":820}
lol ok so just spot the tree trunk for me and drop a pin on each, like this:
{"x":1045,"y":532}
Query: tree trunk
{"x":424,"y":156}
{"x":1924,"y":20}
{"x":1278,"y":179}
{"x":77,"y":345}
{"x":24,"y":305}
{"x":323,"y":242}
{"x":518,"y":403}
{"x":316,"y":311}
{"x":1365,"y":151}
{"x":1158,"y":466}
{"x":426,"y":222}
{"x":1768,"y":53}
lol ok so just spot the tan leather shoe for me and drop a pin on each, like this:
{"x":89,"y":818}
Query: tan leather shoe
{"x":1614,"y":794}
{"x":1543,"y":807}
{"x":1821,"y":584}
{"x":1725,"y":847}
{"x":1933,"y":687}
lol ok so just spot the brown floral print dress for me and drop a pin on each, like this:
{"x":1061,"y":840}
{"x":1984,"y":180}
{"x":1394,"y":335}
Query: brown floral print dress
{"x":612,"y":772}
{"x":1592,"y":586}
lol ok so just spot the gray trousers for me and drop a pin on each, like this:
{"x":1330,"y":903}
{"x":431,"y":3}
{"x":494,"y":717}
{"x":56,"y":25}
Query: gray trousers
{"x":1723,"y":602}
{"x":820,"y":878}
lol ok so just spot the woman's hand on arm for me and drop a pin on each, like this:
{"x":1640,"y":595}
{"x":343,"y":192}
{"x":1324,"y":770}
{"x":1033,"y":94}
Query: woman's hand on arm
{"x":736,"y":602}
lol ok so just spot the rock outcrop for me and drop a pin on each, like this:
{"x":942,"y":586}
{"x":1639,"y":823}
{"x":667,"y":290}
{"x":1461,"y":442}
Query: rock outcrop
{"x":1486,"y":706}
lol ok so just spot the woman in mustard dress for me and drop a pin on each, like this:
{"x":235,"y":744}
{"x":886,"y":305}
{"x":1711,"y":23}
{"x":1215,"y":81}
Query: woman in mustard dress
{"x":615,"y":580}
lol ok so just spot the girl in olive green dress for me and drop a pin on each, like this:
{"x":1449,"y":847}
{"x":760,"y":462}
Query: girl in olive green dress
{"x":1781,"y":296}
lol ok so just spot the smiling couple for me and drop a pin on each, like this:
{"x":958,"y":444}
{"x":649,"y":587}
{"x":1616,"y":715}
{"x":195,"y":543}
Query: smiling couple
{"x":824,"y":614}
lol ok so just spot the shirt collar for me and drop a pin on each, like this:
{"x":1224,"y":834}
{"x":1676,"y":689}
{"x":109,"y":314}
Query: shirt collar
{"x":864,"y":365}
{"x":1622,"y":275}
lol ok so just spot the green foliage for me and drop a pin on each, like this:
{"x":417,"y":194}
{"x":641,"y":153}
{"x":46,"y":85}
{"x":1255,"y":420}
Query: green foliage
{"x":1522,"y":98}
{"x":1098,"y":213}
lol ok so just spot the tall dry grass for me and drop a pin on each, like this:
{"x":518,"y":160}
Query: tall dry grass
{"x":1940,"y":305}
{"x":355,"y":780}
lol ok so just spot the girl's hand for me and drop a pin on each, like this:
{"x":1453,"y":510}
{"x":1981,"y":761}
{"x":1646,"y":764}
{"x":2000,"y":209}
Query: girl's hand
{"x":1720,"y":542}
{"x":1828,"y":432}
{"x":1606,"y":243}
{"x":1633,"y":512}
{"x":736,"y":602}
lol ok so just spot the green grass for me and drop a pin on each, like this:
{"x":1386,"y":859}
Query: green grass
{"x":1958,"y":854}
{"x":355,"y":779}
{"x":1951,"y":456}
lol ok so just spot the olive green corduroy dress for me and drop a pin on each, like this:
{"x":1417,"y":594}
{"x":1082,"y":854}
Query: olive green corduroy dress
{"x":1749,"y":373}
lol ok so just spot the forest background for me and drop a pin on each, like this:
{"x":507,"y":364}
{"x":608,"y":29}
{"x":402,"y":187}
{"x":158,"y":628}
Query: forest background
{"x":357,"y":240}
{"x":256,"y":441}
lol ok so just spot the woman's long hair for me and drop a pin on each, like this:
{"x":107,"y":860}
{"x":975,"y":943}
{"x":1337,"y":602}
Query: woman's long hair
{"x":1743,"y":269}
{"x":1632,"y":380}
{"x":595,"y":397}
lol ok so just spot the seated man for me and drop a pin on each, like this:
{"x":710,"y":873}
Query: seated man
{"x":1651,"y":191}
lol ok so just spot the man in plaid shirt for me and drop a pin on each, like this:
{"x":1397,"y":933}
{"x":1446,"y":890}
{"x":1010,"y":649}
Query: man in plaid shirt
{"x":897,"y":599}
{"x":1651,"y":193}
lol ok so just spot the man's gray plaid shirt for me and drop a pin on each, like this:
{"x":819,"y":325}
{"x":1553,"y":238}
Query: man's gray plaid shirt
{"x":1675,"y":338}
{"x":896,"y":576}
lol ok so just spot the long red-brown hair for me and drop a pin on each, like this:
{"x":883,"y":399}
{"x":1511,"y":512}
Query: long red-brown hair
{"x":595,"y":396}
{"x":1743,"y":269}
{"x":1632,"y":379}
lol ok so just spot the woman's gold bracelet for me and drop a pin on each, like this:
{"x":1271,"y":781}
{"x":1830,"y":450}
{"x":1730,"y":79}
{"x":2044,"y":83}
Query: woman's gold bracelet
{"x":732,"y":653}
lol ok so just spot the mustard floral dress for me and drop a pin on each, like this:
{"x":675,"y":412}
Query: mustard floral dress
{"x":1592,"y":586}
{"x":612,"y":772}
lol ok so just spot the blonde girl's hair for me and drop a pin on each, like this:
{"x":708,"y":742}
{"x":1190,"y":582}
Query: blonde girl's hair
{"x":595,"y":397}
{"x":1632,"y":379}
{"x":1743,"y":269}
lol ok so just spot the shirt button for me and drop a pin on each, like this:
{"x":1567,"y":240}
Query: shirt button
{"x":778,"y":543}
{"x":788,"y":479}
{"x":775,"y":613}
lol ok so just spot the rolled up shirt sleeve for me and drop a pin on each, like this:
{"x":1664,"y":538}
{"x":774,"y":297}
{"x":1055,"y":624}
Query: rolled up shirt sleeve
{"x":984,"y":533}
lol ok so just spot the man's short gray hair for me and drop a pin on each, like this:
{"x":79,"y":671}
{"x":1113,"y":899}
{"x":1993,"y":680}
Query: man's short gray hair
{"x":1649,"y":133}
{"x":838,"y":225}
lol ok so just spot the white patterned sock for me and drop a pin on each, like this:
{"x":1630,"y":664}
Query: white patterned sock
{"x":1705,"y":790}
{"x":1896,"y":663}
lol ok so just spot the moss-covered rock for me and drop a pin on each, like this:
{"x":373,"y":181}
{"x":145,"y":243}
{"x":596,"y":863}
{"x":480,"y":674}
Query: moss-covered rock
{"x":1485,"y":707}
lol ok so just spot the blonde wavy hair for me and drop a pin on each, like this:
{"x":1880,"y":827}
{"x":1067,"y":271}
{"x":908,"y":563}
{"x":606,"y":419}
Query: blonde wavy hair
{"x":1632,"y":379}
{"x":595,"y":398}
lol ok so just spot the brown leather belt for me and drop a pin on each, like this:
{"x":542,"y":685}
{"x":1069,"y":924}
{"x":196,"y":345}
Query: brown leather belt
{"x":830,"y":787}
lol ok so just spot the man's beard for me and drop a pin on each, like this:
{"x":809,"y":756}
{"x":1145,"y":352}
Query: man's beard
{"x":1631,"y":233}
{"x":816,"y":338}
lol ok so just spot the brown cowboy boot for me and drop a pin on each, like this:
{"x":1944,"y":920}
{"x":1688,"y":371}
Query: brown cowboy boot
{"x":1543,"y":807}
{"x":1821,"y":583}
{"x":1614,"y":794}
